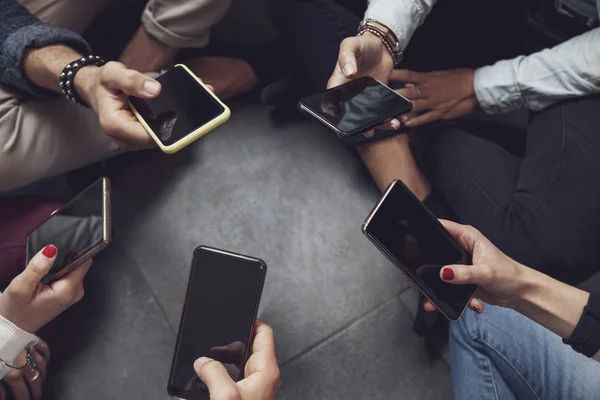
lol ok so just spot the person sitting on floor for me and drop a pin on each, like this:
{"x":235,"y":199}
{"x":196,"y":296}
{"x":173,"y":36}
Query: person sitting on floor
{"x":43,"y":135}
{"x":511,"y":346}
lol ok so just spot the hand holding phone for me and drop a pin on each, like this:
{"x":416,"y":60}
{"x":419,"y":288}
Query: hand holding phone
{"x":81,"y":230}
{"x":29,"y":304}
{"x":218,"y":318}
{"x":184,"y":111}
{"x":354,"y":108}
{"x":261,"y":376}
{"x":412,"y":238}
{"x":499,"y":277}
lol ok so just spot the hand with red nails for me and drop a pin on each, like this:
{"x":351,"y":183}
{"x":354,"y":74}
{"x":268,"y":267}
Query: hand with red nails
{"x":261,"y":380}
{"x":441,"y":95}
{"x":498,"y":276}
{"x":107,"y":90}
{"x":29,"y":304}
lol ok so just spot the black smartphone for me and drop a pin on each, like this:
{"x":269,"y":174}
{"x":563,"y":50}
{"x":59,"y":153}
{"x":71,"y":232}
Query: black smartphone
{"x":413,"y":239}
{"x":80,"y":230}
{"x":352,"y":109}
{"x":184,"y":111}
{"x":218,"y":318}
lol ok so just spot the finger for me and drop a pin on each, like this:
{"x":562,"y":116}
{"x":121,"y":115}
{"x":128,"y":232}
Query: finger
{"x":465,"y":235}
{"x":406,"y":76}
{"x":33,"y":385}
{"x":17,"y":386}
{"x":429,"y":306}
{"x":124,"y":127}
{"x":211,"y":88}
{"x":76,"y":276}
{"x":337,"y":78}
{"x":476,"y":305}
{"x":44,"y":350}
{"x":468,"y":274}
{"x":38,"y":267}
{"x":263,"y":348}
{"x":422,"y":119}
{"x":347,"y":56}
{"x":116,"y":76}
{"x":391,"y":125}
{"x":41,"y":364}
{"x":215,"y":376}
{"x":410,"y":92}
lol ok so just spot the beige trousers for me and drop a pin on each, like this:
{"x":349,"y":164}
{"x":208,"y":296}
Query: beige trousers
{"x":42,"y":138}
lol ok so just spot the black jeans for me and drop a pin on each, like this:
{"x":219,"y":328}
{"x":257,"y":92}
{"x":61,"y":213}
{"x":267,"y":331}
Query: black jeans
{"x":539,"y":202}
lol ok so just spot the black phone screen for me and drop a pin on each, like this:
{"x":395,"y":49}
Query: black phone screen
{"x":74,"y":230}
{"x":357,"y":106}
{"x":421,"y":246}
{"x":218,"y":318}
{"x":182,"y":106}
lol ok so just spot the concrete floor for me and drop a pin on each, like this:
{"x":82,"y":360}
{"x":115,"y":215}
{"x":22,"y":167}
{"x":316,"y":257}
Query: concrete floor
{"x":290,"y":195}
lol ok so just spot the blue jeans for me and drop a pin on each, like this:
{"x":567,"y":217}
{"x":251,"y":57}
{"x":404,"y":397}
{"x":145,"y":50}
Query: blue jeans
{"x":501,"y":354}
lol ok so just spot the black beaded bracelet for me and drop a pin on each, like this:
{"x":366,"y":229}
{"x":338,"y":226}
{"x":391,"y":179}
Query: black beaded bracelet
{"x":67,"y":77}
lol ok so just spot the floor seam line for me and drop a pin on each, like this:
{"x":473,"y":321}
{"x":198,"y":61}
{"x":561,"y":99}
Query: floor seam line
{"x":342,"y":329}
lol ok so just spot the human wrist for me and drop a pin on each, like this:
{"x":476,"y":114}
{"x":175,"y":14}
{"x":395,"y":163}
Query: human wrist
{"x":85,"y":82}
{"x":387,"y":60}
{"x":13,"y":340}
{"x":551,"y":303}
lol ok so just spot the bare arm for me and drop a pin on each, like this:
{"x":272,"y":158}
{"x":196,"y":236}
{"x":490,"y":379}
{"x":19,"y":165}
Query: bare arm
{"x":551,"y":303}
{"x":43,"y":66}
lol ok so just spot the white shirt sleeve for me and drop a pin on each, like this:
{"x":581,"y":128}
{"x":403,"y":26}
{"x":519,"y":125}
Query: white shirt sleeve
{"x":570,"y":69}
{"x":13,"y":341}
{"x":403,"y":17}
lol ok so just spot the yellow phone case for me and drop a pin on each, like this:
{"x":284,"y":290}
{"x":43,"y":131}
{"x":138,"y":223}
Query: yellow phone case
{"x":192,"y":136}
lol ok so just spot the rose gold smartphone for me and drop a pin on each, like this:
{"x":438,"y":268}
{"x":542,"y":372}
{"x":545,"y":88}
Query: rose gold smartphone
{"x":413,"y":239}
{"x":80,"y":230}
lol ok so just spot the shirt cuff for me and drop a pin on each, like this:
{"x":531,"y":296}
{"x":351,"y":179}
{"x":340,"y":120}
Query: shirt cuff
{"x":497,"y":88}
{"x":13,"y":340}
{"x":403,"y":19}
{"x":167,"y":37}
{"x":35,"y":36}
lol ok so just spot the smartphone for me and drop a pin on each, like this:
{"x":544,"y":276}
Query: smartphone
{"x":80,"y":230}
{"x":352,"y":109}
{"x":184,"y":111}
{"x":218,"y":318}
{"x":413,"y":239}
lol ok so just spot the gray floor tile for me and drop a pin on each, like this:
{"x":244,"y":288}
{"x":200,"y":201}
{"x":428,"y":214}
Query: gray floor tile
{"x":292,"y":196}
{"x":120,"y":345}
{"x":378,"y":357}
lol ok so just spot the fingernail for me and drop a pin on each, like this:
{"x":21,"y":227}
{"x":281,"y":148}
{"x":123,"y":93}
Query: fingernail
{"x":50,"y":251}
{"x":448,"y":274}
{"x":348,"y":69}
{"x":476,"y":309}
{"x":408,"y":123}
{"x":151,"y":87}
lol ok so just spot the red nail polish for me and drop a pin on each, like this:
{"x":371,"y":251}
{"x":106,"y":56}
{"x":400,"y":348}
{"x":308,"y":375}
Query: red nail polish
{"x":448,"y":274}
{"x":50,"y":251}
{"x":477,"y":309}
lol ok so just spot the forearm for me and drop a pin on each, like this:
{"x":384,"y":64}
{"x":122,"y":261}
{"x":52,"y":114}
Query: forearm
{"x":390,"y":159}
{"x":543,"y":78}
{"x":43,"y":66}
{"x":401,"y":16}
{"x":551,"y":303}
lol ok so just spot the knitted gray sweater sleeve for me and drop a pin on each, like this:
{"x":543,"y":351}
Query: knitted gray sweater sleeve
{"x":20,"y":30}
